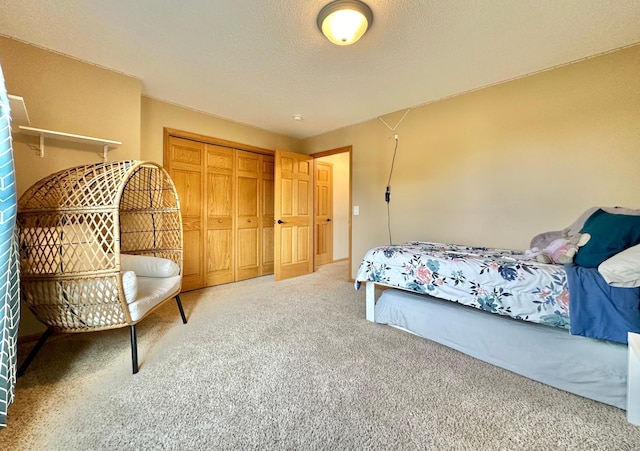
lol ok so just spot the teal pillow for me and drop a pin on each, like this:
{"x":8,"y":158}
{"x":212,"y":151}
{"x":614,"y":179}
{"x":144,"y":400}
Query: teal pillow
{"x":610,"y":234}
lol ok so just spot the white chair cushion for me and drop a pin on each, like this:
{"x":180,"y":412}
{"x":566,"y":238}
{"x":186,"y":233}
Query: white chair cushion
{"x":151,"y":292}
{"x":130,"y":286}
{"x":149,"y":266}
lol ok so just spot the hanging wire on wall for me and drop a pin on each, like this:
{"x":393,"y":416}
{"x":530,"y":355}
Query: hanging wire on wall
{"x":387,"y":193}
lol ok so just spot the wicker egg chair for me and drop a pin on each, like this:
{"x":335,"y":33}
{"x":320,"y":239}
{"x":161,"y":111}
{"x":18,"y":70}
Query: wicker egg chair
{"x":76,"y":227}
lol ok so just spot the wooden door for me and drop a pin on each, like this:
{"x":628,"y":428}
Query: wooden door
{"x":323,"y":213}
{"x":293,"y":214}
{"x":248,"y":234}
{"x":267,"y":208}
{"x":183,"y":159}
{"x":219,"y":245}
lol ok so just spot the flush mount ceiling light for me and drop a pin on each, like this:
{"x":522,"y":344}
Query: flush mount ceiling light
{"x":343,"y":22}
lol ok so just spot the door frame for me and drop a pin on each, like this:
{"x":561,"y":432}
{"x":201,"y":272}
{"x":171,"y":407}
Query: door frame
{"x":167,"y":131}
{"x":327,"y":153}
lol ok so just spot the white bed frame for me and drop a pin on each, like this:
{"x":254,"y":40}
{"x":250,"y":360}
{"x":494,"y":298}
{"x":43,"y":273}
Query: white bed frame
{"x":633,"y":356}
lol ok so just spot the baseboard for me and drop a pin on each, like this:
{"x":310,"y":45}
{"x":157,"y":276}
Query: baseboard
{"x":25,"y":339}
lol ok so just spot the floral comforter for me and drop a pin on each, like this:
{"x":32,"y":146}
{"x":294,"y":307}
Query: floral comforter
{"x":496,"y":280}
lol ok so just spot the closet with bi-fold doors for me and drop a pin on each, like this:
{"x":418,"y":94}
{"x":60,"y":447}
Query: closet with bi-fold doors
{"x":226,"y":193}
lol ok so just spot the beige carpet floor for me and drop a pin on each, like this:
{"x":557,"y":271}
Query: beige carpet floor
{"x":289,"y":365}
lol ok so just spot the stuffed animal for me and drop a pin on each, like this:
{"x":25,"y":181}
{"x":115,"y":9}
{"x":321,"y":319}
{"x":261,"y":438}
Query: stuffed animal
{"x":560,"y":250}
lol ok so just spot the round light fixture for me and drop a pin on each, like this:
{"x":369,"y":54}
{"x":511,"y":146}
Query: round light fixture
{"x":343,"y":22}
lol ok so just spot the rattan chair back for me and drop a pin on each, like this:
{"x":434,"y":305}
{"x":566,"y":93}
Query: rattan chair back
{"x":75,"y":224}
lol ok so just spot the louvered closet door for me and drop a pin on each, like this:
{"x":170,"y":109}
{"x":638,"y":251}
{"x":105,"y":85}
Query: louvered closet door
{"x":220,"y":215}
{"x":185,"y":168}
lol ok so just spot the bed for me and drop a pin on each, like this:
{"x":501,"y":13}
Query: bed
{"x":543,"y":320}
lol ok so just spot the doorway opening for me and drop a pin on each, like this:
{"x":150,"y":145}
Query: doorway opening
{"x":332,"y":206}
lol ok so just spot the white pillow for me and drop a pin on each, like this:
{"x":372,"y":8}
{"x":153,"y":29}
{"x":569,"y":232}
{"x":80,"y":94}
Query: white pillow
{"x":148,"y":266}
{"x":130,"y":286}
{"x":622,"y":269}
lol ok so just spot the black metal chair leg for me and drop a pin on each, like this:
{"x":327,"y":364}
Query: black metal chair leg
{"x":47,"y":333}
{"x":134,"y":350}
{"x":184,"y":318}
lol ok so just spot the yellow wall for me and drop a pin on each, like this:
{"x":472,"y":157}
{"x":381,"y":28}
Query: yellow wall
{"x":67,"y":95}
{"x":496,"y":166}
{"x":157,"y":114}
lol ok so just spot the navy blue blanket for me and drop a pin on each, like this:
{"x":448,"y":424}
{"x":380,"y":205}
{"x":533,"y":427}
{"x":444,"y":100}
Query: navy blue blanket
{"x":598,"y":310}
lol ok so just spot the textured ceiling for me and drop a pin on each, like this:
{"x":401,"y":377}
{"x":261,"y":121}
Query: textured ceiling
{"x":260,"y":62}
